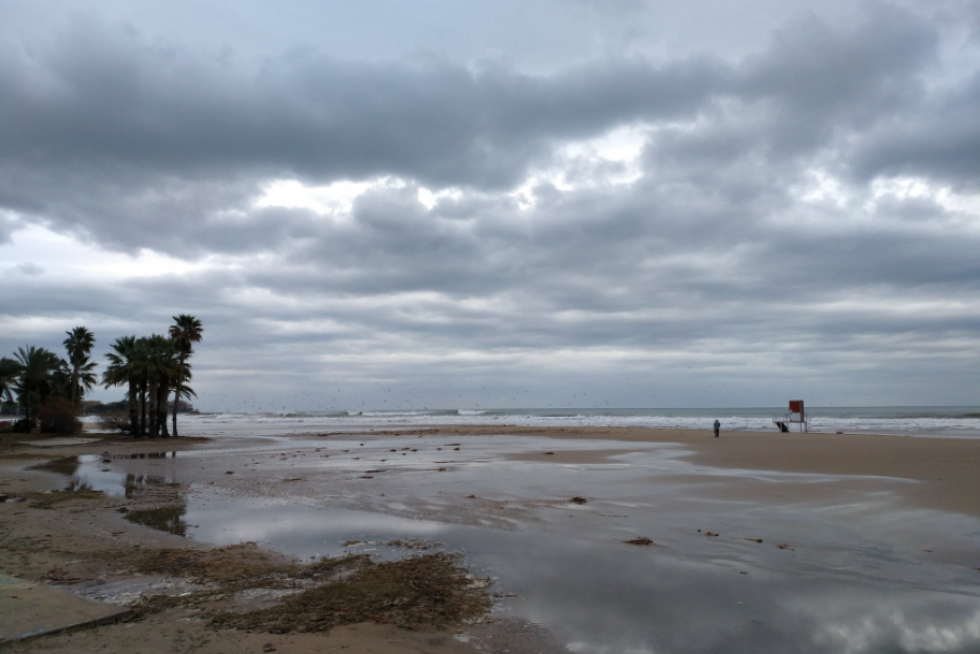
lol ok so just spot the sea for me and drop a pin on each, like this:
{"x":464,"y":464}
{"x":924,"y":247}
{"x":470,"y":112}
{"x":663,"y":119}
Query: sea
{"x":920,"y":421}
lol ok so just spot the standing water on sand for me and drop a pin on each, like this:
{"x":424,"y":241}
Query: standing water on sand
{"x":607,"y":549}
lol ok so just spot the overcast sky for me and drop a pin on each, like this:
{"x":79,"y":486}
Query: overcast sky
{"x":503,"y":203}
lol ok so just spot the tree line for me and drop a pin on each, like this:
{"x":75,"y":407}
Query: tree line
{"x":51,"y":389}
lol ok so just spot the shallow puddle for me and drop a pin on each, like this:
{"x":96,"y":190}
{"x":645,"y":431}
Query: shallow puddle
{"x":841,"y":571}
{"x":166,"y":518}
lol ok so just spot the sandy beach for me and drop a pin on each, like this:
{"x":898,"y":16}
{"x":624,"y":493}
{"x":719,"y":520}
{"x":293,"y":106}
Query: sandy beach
{"x":493,"y":485}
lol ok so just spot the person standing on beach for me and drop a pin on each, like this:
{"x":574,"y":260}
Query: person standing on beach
{"x":717,"y":427}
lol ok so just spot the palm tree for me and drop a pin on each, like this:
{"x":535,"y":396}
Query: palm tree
{"x":122,"y":370}
{"x":35,"y":369}
{"x":141,"y":371}
{"x":186,"y":331}
{"x":8,"y":377}
{"x":161,"y":369}
{"x":79,"y":345}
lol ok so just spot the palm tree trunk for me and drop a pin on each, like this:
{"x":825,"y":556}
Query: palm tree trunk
{"x":154,"y":396}
{"x":180,"y":374}
{"x":163,"y":393}
{"x":177,"y":393}
{"x":176,"y":402}
{"x":74,"y":385}
{"x":143,"y":409}
{"x":134,"y":420}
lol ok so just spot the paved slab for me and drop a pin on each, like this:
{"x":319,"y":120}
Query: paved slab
{"x":29,"y":609}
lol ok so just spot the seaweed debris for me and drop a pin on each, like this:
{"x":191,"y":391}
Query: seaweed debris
{"x":425,"y":591}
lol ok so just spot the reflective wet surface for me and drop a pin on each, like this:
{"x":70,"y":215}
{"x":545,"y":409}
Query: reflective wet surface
{"x":165,"y":518}
{"x":735,"y":565}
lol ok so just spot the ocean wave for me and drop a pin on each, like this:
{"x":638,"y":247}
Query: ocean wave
{"x":922,"y":421}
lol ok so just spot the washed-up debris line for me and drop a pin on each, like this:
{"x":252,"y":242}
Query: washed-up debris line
{"x":639,"y":540}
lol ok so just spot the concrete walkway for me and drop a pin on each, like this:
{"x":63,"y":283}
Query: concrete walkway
{"x":29,"y":609}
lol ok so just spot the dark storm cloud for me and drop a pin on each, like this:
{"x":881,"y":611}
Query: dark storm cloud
{"x":823,"y":77}
{"x":100,"y":94}
{"x":146,"y":144}
{"x":941,"y":141}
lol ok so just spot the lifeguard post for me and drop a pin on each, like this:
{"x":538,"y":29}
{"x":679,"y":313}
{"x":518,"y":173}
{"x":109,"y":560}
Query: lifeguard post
{"x":797,"y":414}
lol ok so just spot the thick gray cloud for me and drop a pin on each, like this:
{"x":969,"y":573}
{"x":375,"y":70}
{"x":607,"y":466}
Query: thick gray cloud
{"x":801,"y":211}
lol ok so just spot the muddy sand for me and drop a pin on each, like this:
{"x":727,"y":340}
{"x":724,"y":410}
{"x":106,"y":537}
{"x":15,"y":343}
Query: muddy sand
{"x":189,"y":596}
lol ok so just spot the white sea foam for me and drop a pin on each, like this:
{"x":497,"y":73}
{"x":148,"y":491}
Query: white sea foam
{"x":961,"y":422}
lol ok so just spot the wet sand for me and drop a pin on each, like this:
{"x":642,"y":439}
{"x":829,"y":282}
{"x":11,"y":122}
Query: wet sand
{"x":58,"y":542}
{"x":946,"y":468}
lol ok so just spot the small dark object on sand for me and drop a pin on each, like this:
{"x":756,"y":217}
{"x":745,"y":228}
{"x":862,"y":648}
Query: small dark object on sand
{"x":754,"y":540}
{"x":579,"y":500}
{"x":229,"y":472}
{"x":471,"y":497}
{"x":710,"y":534}
{"x":442,"y":469}
{"x":549,"y":453}
{"x":639,"y":540}
{"x":785,"y":546}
